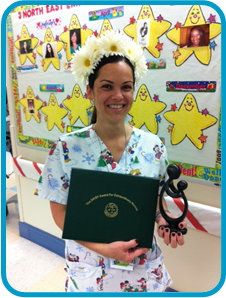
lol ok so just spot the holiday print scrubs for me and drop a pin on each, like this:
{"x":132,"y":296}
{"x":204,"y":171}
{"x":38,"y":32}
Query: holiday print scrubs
{"x":145,"y":155}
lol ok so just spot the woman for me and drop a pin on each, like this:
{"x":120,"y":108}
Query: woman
{"x":196,"y":37}
{"x":25,"y":49}
{"x":75,"y":43}
{"x":49,"y":51}
{"x":111,"y":65}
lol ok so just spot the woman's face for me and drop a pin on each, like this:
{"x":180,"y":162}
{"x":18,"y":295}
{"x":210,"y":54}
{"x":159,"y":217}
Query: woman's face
{"x":74,"y":37}
{"x":48,"y":48}
{"x":25,"y":44}
{"x":113,"y":91}
{"x":195,"y":38}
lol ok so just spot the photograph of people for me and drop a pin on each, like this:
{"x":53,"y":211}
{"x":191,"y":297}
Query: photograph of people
{"x":110,"y":79}
{"x":144,"y":30}
{"x":25,"y":47}
{"x":75,"y":40}
{"x":49,"y":51}
{"x":197,"y":37}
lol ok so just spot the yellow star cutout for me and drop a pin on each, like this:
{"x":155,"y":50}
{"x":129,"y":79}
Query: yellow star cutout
{"x":106,"y":26}
{"x":144,"y":110}
{"x":65,"y":37}
{"x":54,"y":114}
{"x":31,"y":105}
{"x":78,"y":106}
{"x":47,"y":61}
{"x":189,"y":122}
{"x":24,"y":37}
{"x":157,"y":29}
{"x":195,"y":17}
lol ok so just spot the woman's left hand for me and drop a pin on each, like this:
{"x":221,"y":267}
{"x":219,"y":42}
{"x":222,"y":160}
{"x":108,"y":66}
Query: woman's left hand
{"x":173,"y":238}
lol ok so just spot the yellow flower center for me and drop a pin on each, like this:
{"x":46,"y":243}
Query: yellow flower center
{"x":129,"y":52}
{"x":87,"y":63}
{"x":113,"y":48}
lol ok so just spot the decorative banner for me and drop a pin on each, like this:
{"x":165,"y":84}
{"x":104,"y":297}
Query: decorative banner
{"x":51,"y":88}
{"x":107,"y":13}
{"x":27,"y":168}
{"x":156,"y":63}
{"x":49,"y":23}
{"x":200,"y":217}
{"x":27,"y":68}
{"x":192,"y":86}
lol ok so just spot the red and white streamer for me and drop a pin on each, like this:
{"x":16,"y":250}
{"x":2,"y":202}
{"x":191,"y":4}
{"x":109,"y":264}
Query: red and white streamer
{"x":27,"y":168}
{"x":200,"y":217}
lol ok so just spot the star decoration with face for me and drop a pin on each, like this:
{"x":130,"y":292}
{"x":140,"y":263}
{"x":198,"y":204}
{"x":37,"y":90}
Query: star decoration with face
{"x":194,"y":18}
{"x":106,"y":26}
{"x":25,"y":37}
{"x":78,"y":106}
{"x":65,"y":36}
{"x":157,"y":29}
{"x":31,"y":105}
{"x":189,"y":122}
{"x":144,"y":110}
{"x":54,"y":114}
{"x":47,"y":61}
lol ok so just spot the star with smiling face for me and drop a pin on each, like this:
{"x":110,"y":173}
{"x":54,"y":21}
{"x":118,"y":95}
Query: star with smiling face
{"x":31,"y":105}
{"x":54,"y":114}
{"x":144,"y":110}
{"x":189,"y":122}
{"x":65,"y":36}
{"x":49,"y":40}
{"x":157,"y":29}
{"x":78,"y":106}
{"x":25,"y":38}
{"x":194,"y":18}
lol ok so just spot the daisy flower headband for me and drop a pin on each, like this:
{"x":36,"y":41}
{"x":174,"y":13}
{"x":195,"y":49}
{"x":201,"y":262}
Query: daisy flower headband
{"x":86,"y":59}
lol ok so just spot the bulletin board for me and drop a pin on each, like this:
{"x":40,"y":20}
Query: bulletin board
{"x":179,"y":99}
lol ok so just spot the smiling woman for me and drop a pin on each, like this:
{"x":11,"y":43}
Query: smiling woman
{"x":110,"y":66}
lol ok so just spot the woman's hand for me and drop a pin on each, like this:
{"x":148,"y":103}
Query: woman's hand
{"x":125,"y":251}
{"x":173,"y":239}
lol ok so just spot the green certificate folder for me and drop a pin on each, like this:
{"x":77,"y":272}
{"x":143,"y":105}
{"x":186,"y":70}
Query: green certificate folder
{"x":105,"y":207}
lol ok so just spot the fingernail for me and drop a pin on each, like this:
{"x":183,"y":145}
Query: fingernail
{"x":167,"y":230}
{"x":173,"y":234}
{"x":137,"y":241}
{"x":178,"y":233}
{"x":181,"y":226}
{"x":162,"y":228}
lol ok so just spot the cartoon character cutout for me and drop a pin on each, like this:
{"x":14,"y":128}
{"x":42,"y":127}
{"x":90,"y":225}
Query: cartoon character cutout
{"x":195,"y":17}
{"x":106,"y":26}
{"x":158,"y":27}
{"x":189,"y":122}
{"x":31,"y":105}
{"x":74,"y":35}
{"x":144,"y":110}
{"x":26,"y":44}
{"x":49,"y":50}
{"x":54,"y":114}
{"x":78,"y":106}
